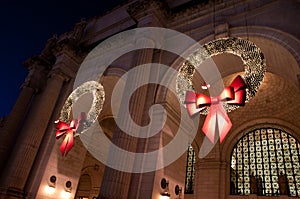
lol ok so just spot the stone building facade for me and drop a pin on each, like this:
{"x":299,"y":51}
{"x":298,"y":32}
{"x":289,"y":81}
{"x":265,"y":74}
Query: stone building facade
{"x":29,"y":152}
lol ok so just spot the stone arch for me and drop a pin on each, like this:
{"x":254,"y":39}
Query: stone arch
{"x":84,"y":186}
{"x":281,"y":49}
{"x":287,"y":83}
{"x":260,"y":112}
{"x":90,"y":177}
{"x":291,"y":43}
{"x":285,"y":47}
{"x":96,"y":173}
{"x":236,"y":134}
{"x":229,"y":143}
{"x":285,"y":44}
{"x":271,"y":128}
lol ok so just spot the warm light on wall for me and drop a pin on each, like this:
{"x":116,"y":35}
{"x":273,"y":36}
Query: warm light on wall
{"x":49,"y":190}
{"x":164,"y":197}
{"x":65,"y":194}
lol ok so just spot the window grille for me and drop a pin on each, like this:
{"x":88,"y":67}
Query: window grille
{"x":265,"y":153}
{"x":190,"y":171}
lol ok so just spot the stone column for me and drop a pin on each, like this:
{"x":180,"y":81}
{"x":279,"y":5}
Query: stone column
{"x":115,"y":184}
{"x":118,"y":184}
{"x":33,"y":84}
{"x":30,"y":137}
{"x":209,"y":175}
{"x":65,"y":67}
{"x":142,"y":184}
{"x":14,"y":120}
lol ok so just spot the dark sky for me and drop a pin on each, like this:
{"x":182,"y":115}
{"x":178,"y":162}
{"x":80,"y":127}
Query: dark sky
{"x":25,"y":28}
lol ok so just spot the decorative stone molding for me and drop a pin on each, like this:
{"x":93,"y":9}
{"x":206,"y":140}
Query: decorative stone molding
{"x":290,"y":42}
{"x":198,"y":8}
{"x":74,"y":36}
{"x":242,"y":130}
{"x":213,"y":9}
{"x":142,"y":8}
{"x":135,"y":8}
{"x":38,"y":70}
{"x":61,"y":73}
{"x":71,"y":48}
{"x":222,"y":31}
{"x":47,"y":53}
{"x":68,"y":59}
{"x":64,"y":45}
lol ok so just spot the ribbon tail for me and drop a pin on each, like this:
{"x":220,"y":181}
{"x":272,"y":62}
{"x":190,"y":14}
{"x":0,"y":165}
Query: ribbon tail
{"x":223,"y":122}
{"x":67,"y":143}
{"x":209,"y":126}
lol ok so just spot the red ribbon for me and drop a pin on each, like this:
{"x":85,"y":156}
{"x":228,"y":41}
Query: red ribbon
{"x":63,"y":128}
{"x":217,"y":117}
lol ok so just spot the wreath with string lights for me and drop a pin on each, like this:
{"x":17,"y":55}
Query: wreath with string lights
{"x":241,"y":90}
{"x":74,"y":127}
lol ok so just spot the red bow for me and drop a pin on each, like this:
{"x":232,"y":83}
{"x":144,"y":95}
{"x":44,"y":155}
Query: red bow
{"x":63,"y":128}
{"x":217,"y":117}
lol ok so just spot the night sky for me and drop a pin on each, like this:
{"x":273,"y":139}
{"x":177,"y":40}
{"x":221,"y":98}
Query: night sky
{"x":25,"y":28}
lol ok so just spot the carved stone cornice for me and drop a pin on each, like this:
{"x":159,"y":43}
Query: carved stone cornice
{"x":70,"y":48}
{"x":198,"y":8}
{"x":136,"y":8}
{"x":61,"y":73}
{"x":38,"y":69}
{"x":143,"y":8}
{"x":78,"y":30}
{"x":219,"y":8}
{"x":47,"y":52}
{"x":64,"y":46}
{"x":37,"y":61}
{"x":72,"y":38}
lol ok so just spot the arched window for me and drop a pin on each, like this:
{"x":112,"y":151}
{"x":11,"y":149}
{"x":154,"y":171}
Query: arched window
{"x":190,"y":171}
{"x":84,"y":187}
{"x":266,"y":162}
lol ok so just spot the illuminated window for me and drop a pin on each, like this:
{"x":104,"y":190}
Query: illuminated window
{"x":190,"y":171}
{"x":265,"y":153}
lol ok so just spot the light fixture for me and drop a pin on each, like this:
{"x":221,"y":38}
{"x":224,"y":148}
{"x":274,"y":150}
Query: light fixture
{"x":68,"y":186}
{"x":165,"y":186}
{"x":205,"y":86}
{"x":52,"y":181}
{"x":67,"y":192}
{"x":178,"y":190}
